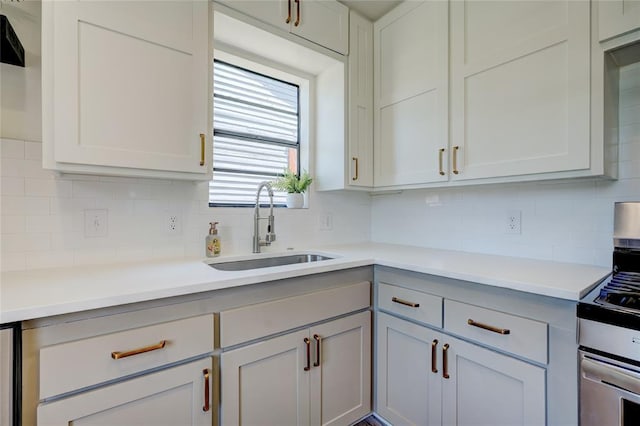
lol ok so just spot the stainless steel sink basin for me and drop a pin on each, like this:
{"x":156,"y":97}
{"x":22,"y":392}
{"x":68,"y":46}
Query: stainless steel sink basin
{"x":266,"y":262}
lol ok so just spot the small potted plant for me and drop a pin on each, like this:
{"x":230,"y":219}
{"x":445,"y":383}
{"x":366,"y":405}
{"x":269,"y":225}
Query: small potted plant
{"x":294,"y":186}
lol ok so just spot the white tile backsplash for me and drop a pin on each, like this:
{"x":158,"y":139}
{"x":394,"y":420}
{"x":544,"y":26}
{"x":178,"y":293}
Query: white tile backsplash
{"x":568,"y":221}
{"x":42,"y":217}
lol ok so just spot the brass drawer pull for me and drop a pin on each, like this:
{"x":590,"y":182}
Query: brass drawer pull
{"x":440,"y":155}
{"x":455,"y":160}
{"x":307,"y":343}
{"x":405,"y":302}
{"x":202,"y":146}
{"x":295,"y":24}
{"x":488,"y":327}
{"x":120,"y":355}
{"x":318,"y":340}
{"x":289,"y":12}
{"x":445,"y":361}
{"x":434,"y":356}
{"x":205,"y":407}
{"x":356,"y":175}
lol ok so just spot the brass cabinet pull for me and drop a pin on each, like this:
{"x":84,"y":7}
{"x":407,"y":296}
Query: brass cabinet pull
{"x":289,"y":12}
{"x":356,"y":175}
{"x":202,"y":146}
{"x":307,"y":342}
{"x":440,"y":155}
{"x":445,"y":361}
{"x":295,"y":24}
{"x":434,"y":356}
{"x":455,"y":160}
{"x":318,"y":340}
{"x":205,"y":407}
{"x":488,"y":327}
{"x":120,"y":355}
{"x":405,"y":302}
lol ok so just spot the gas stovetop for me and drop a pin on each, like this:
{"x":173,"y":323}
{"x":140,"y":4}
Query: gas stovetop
{"x":616,"y":301}
{"x":623,"y":290}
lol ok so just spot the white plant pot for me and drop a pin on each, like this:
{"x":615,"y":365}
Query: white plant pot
{"x":295,"y":200}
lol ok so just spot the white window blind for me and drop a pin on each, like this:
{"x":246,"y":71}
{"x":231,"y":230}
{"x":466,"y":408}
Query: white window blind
{"x":255,"y":133}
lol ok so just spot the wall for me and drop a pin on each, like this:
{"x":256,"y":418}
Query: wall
{"x":568,"y":221}
{"x":43,"y":214}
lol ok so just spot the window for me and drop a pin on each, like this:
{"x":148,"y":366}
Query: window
{"x":256,"y":133}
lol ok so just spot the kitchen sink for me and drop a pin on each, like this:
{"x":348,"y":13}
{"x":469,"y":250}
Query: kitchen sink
{"x":267,"y":262}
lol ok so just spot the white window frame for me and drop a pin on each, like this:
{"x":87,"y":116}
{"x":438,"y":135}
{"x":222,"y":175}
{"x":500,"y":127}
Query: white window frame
{"x":304,"y":81}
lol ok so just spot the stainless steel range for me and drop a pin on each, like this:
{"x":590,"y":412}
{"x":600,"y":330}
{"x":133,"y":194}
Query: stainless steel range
{"x":609,"y":332}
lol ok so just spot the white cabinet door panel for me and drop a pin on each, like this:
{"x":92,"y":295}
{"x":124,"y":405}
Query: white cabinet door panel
{"x":341,"y":387}
{"x":411,"y":94}
{"x":325,"y":22}
{"x":520,"y":87}
{"x":487,"y":388}
{"x":408,"y":391}
{"x":170,"y":397}
{"x":272,"y":12}
{"x":265,"y":383}
{"x":130,"y":84}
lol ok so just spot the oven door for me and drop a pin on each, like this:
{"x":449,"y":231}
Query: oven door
{"x":609,"y":391}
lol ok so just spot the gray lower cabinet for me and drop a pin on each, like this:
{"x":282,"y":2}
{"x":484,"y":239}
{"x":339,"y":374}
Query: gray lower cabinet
{"x":430,"y":378}
{"x":450,"y":352}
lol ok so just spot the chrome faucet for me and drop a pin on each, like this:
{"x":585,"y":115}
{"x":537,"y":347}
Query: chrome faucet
{"x":271,"y":235}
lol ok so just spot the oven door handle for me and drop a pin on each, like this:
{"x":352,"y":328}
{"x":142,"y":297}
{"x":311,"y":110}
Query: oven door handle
{"x":611,"y":375}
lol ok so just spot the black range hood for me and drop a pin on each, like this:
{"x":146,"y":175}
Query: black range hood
{"x":11,"y":50}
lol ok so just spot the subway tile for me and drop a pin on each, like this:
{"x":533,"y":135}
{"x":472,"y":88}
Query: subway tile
{"x":33,"y":151}
{"x":48,"y":187}
{"x":12,"y":261}
{"x":12,"y":186}
{"x":50,"y":259}
{"x":11,"y":148}
{"x":12,"y":224}
{"x":12,"y":167}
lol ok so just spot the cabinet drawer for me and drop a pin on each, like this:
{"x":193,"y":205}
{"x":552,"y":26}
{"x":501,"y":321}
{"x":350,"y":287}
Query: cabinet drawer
{"x":510,"y":333}
{"x":75,"y":365}
{"x":422,"y":307}
{"x":252,"y":322}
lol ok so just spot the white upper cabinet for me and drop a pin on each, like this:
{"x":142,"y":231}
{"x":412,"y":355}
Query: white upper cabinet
{"x":324,"y":22}
{"x":411,"y":94}
{"x":520,"y":86}
{"x":360,"y":155}
{"x":126,"y":88}
{"x":618,"y":17}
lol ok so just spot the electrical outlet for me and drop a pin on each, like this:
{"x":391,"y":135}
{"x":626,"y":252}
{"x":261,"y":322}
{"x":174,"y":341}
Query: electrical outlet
{"x":173,"y":224}
{"x":514,"y":222}
{"x":325,"y":222}
{"x":95,"y":223}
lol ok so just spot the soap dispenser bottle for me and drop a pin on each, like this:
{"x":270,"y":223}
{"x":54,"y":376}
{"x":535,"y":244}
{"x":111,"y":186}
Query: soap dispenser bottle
{"x":213,"y":241}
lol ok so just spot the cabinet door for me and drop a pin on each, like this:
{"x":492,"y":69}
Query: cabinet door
{"x":520,"y":87}
{"x":360,"y":152}
{"x":265,"y":383}
{"x":487,"y":388}
{"x":175,"y":396}
{"x":616,"y":17}
{"x":325,"y":22}
{"x":278,"y":13}
{"x":411,"y":93}
{"x":408,"y":390}
{"x":341,"y":372}
{"x":128,"y":84}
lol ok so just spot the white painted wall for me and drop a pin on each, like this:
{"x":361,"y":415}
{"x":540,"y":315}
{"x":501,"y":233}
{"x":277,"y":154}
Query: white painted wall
{"x":42,"y":214}
{"x":568,"y":221}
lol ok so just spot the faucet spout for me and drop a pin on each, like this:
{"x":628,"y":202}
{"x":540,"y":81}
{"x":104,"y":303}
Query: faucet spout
{"x":270,"y":235}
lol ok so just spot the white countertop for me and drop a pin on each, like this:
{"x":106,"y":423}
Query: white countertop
{"x":46,"y":292}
